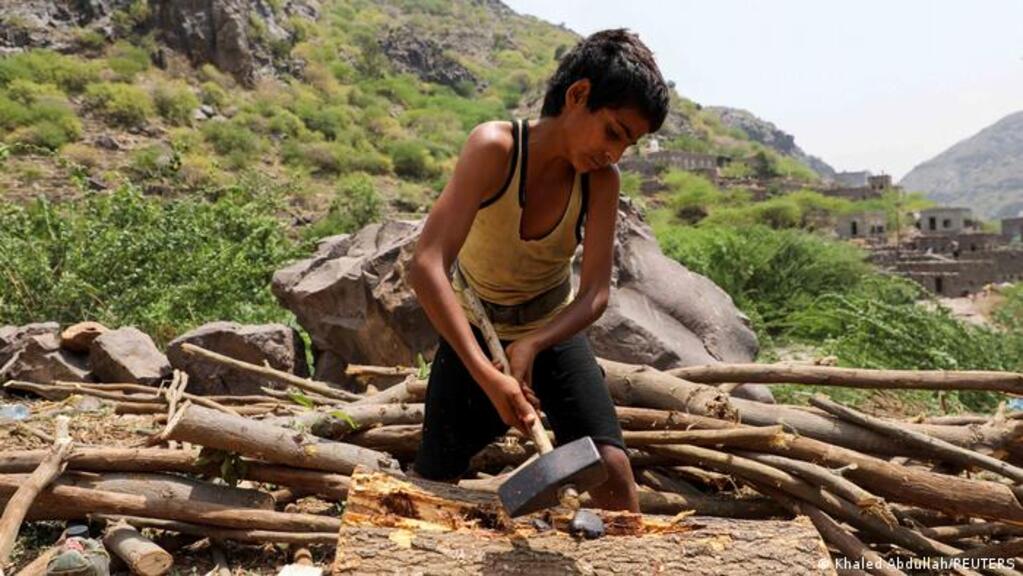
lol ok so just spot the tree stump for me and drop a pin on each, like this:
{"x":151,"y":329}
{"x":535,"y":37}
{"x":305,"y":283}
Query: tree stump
{"x":395,"y":524}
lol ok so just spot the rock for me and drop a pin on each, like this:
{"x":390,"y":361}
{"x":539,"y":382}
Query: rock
{"x":79,"y":337}
{"x":410,"y":52}
{"x":662,"y":314}
{"x":352,"y":299}
{"x":12,"y":338}
{"x":198,"y":115}
{"x":39,"y":358}
{"x":207,"y":110}
{"x":275,"y":345}
{"x":127,"y":355}
{"x":107,"y":142}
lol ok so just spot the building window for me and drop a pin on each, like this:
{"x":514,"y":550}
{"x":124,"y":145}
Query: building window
{"x":933,"y":223}
{"x":853,"y":229}
{"x":938,"y":284}
{"x":946,"y":223}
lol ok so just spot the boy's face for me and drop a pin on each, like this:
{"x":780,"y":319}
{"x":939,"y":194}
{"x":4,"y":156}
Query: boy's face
{"x":598,"y":138}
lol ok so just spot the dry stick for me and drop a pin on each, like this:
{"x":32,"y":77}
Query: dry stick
{"x":367,"y":370}
{"x":269,"y":373}
{"x":944,"y":449}
{"x":833,"y":505}
{"x":140,"y":553}
{"x":240,"y":535}
{"x":162,"y":460}
{"x":833,"y":533}
{"x":312,"y":396}
{"x":59,"y":392}
{"x":700,"y":437}
{"x":19,"y":504}
{"x":830,"y":480}
{"x":273,"y":443}
{"x":853,"y":377}
{"x":1008,"y":549}
{"x":399,"y":393}
{"x":64,"y":498}
{"x":173,"y":392}
{"x":34,"y":432}
{"x":220,"y":565}
{"x":961,"y":531}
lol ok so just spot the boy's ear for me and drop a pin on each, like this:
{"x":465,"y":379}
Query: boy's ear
{"x":578,"y":93}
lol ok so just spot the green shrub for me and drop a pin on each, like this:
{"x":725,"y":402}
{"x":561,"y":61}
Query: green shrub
{"x":127,"y":60}
{"x":233,"y":140}
{"x":412,"y":160}
{"x":70,"y":73}
{"x":28,"y":92}
{"x":120,"y":104}
{"x":356,"y":203}
{"x":125,"y":259}
{"x":175,"y":102}
{"x":48,"y":122}
{"x":213,"y":95}
{"x":155,"y":161}
{"x":334,"y":157}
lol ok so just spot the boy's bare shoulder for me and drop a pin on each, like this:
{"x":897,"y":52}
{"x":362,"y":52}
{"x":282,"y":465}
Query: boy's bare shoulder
{"x":491,"y":138}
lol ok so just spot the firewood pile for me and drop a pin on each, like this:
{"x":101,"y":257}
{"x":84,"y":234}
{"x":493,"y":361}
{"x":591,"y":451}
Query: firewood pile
{"x":726,"y":485}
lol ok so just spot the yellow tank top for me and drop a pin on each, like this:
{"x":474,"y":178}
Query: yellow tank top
{"x":505,"y":269}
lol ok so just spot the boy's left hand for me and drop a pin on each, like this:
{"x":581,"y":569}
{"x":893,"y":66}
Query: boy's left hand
{"x":521,"y":354}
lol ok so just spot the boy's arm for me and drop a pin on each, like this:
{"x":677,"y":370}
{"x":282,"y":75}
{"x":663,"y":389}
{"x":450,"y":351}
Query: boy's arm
{"x":594,"y":278}
{"x":480,"y":171}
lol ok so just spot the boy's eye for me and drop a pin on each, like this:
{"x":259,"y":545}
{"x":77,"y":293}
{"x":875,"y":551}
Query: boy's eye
{"x":612,"y":134}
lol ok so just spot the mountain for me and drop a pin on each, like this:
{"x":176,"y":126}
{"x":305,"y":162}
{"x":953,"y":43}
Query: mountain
{"x":984,"y":171}
{"x":766,"y":133}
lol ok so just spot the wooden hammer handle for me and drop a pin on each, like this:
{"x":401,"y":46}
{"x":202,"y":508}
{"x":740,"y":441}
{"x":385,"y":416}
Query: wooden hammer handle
{"x":536,"y":431}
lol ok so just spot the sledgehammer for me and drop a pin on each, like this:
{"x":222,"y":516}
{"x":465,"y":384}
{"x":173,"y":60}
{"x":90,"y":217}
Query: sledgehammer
{"x":556,"y":475}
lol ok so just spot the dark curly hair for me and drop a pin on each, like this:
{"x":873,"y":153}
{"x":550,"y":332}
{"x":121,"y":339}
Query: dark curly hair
{"x":622,"y":72}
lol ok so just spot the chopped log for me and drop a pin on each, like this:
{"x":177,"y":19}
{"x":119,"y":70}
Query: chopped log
{"x":393,"y":525}
{"x":961,"y":531}
{"x":830,"y":480}
{"x":646,"y":387}
{"x":154,"y":408}
{"x":291,"y":393}
{"x":185,"y":461}
{"x":239,"y":535}
{"x":945,"y":450}
{"x":1010,"y":382}
{"x":57,"y":502}
{"x":400,"y":392}
{"x":364,"y":370}
{"x":761,"y":476}
{"x":632,"y":418}
{"x":700,"y":437}
{"x":326,"y":424}
{"x":264,"y":441}
{"x":141,"y":555}
{"x":951,"y":494}
{"x":168,"y":486}
{"x":268,"y":373}
{"x":27,"y":491}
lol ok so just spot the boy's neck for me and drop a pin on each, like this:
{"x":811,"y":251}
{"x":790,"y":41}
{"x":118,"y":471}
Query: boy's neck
{"x":547,"y":149}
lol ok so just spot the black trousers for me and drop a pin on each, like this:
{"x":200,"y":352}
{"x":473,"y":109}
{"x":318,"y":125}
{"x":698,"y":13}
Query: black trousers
{"x":460,"y":419}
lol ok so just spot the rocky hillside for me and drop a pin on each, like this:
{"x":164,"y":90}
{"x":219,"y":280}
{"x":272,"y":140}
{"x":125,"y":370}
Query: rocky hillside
{"x":984,"y":172}
{"x":766,"y":133}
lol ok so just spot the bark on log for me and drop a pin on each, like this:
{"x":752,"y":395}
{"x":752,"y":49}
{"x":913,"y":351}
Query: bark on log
{"x":646,"y":387}
{"x":1010,"y":382}
{"x":400,"y":524}
{"x":326,"y":424}
{"x":268,"y":373}
{"x":58,"y":501}
{"x":951,"y":494}
{"x":27,"y":491}
{"x":186,"y":461}
{"x":168,"y":486}
{"x":948,"y":452}
{"x":141,"y":555}
{"x":263,"y":441}
{"x":217,"y":533}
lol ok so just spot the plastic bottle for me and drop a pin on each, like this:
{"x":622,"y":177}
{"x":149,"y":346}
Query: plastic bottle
{"x":13,"y":412}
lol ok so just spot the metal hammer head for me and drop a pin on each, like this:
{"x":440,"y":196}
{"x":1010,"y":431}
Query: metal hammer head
{"x":535,"y":487}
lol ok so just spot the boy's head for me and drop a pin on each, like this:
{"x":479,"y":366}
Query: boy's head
{"x":611,"y":85}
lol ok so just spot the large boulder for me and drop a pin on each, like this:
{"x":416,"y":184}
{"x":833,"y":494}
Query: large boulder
{"x":13,"y":338}
{"x":351,"y":297}
{"x":660,"y":313}
{"x":39,"y":358}
{"x":275,"y":345}
{"x":127,"y":355}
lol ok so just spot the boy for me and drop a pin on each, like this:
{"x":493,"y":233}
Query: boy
{"x":513,"y":213}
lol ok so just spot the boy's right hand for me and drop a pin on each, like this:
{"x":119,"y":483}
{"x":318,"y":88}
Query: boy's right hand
{"x":507,"y":397}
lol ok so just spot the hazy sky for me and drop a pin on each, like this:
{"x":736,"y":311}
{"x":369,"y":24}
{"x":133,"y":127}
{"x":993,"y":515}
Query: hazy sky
{"x":866,"y":84}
